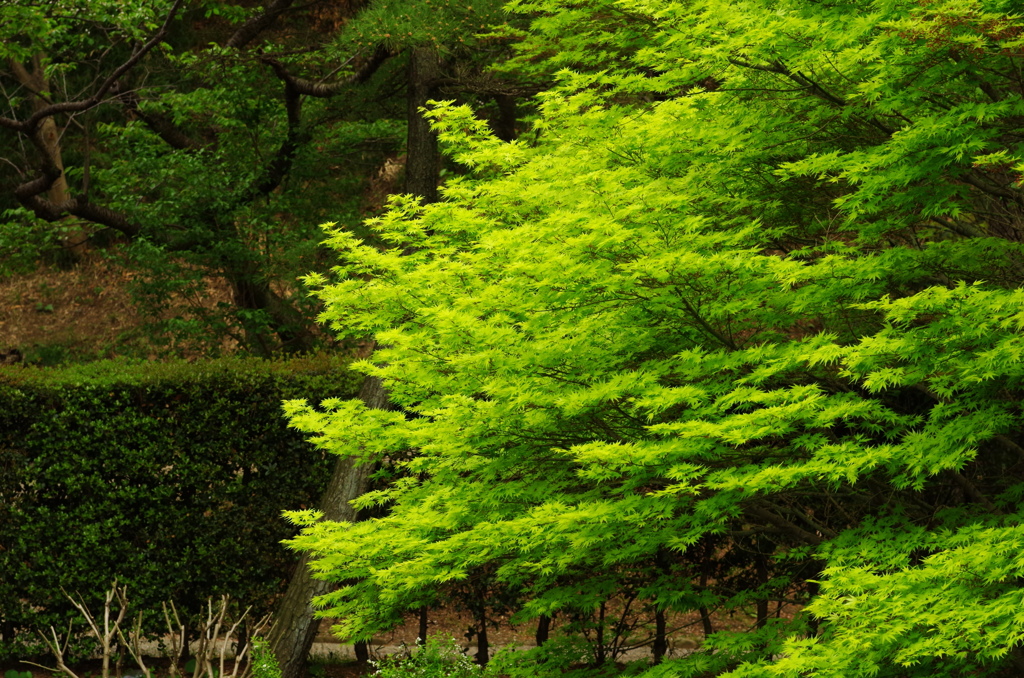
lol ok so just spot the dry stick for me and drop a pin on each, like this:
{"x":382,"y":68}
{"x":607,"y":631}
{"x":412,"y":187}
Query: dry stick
{"x":260,"y":625}
{"x":213,"y":634}
{"x":108,"y":634}
{"x":213,"y":623}
{"x":227,"y":639}
{"x":177,"y":638}
{"x":58,"y":652}
{"x":134,"y":645}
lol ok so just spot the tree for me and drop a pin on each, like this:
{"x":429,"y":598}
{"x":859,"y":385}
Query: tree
{"x":739,"y":325}
{"x":213,"y":139}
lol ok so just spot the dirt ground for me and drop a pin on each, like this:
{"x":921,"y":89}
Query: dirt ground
{"x":84,"y":313}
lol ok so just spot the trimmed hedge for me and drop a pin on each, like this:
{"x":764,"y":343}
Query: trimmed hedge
{"x":169,"y":476}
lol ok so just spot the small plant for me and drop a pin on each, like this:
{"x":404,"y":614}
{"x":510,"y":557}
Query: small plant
{"x":11,"y":673}
{"x":438,"y":658}
{"x":264,"y":663}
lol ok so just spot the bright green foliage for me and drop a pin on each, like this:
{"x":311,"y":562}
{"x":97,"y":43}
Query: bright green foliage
{"x":264,"y":664}
{"x":740,"y":324}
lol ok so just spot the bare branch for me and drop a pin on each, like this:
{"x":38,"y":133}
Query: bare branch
{"x":793,"y":530}
{"x":58,"y":652}
{"x":177,"y":635}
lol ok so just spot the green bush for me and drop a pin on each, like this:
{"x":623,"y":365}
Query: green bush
{"x":170,"y":477}
{"x":264,"y":664}
{"x":439,"y":657}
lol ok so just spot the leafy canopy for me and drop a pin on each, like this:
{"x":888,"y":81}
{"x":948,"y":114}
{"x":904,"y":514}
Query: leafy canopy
{"x":746,"y":303}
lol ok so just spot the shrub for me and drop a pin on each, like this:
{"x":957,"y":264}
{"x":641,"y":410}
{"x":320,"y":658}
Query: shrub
{"x":439,"y":657}
{"x":169,"y":477}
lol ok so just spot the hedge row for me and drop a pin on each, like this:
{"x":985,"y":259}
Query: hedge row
{"x":170,"y":477}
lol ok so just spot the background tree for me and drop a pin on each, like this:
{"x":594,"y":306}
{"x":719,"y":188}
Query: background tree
{"x":212,"y":138}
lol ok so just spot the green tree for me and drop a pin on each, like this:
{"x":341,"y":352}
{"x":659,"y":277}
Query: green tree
{"x":211,"y":138}
{"x":738,"y":326}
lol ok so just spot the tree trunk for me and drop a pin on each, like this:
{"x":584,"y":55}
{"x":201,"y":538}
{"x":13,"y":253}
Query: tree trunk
{"x":58,"y":194}
{"x":483,"y":648}
{"x":599,"y":654}
{"x":286,"y":329}
{"x":660,"y":641}
{"x":543,"y":629}
{"x":423,"y":162}
{"x":505,"y":124}
{"x":295,"y":626}
{"x":421,"y":637}
{"x":761,"y":568}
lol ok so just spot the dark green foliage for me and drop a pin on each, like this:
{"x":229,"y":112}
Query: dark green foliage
{"x":170,"y":477}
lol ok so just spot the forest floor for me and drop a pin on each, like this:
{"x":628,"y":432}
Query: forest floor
{"x":87,"y":312}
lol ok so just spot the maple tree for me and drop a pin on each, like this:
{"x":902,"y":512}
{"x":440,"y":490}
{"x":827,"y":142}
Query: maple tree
{"x":736,"y":327}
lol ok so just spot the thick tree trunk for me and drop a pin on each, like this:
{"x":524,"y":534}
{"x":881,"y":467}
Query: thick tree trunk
{"x":295,"y":627}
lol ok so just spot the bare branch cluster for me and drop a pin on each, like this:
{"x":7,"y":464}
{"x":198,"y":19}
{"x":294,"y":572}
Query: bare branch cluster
{"x":211,"y":650}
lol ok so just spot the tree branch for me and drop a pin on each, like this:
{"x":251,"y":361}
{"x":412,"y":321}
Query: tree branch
{"x":327,"y":90}
{"x":248,"y":31}
{"x":789,"y":528}
{"x":29,"y":125}
{"x":969,"y":178}
{"x":813,"y":87}
{"x":161,"y":125}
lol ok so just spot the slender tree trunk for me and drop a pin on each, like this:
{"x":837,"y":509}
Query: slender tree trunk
{"x":505,"y":124}
{"x":599,"y":655}
{"x":761,"y":566}
{"x":421,"y":637}
{"x":660,"y":640}
{"x":483,"y":648}
{"x":295,"y":627}
{"x":543,"y":629}
{"x":423,"y":162}
{"x":287,"y":329}
{"x":705,"y":614}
